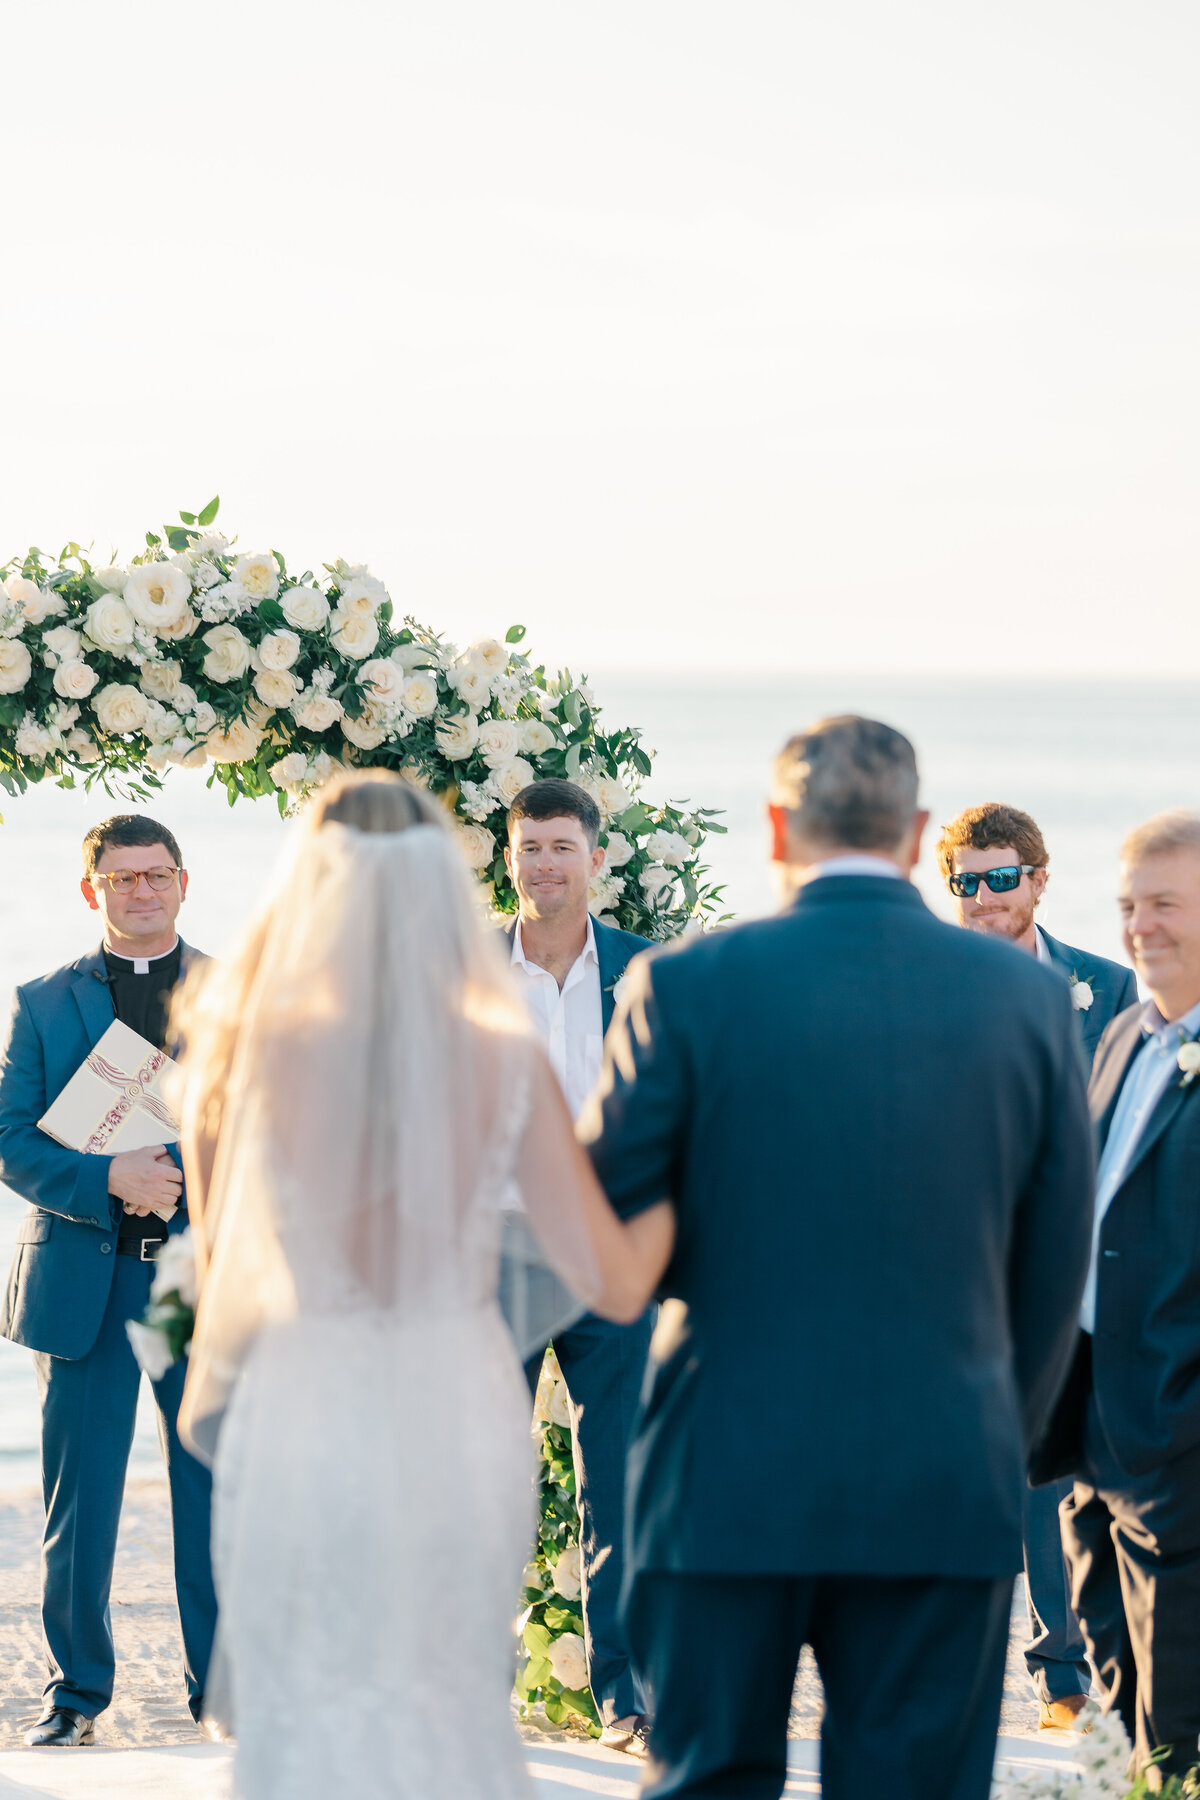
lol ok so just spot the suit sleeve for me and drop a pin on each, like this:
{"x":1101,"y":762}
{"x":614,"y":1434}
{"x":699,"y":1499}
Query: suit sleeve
{"x":43,"y":1172}
{"x":635,"y":1123}
{"x":1052,"y":1238}
{"x":1127,"y":994}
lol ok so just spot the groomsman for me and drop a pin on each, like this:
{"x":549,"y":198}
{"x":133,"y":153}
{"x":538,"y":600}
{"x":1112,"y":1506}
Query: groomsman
{"x":994,"y":861}
{"x":1128,"y":1421}
{"x":568,"y":965}
{"x":83,"y":1267}
{"x":873,"y":1130}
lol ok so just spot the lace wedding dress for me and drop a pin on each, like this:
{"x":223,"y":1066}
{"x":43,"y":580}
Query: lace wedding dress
{"x":374,"y":1495}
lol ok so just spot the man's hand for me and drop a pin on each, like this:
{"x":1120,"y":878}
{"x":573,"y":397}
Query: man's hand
{"x":145,"y":1180}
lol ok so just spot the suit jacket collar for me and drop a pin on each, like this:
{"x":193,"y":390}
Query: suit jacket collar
{"x":611,"y":957}
{"x":89,"y":985}
{"x":825,"y":890}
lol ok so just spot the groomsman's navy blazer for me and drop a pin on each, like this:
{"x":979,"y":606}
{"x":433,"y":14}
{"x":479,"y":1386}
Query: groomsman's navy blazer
{"x":873,"y":1128}
{"x":61,"y":1274}
{"x":1113,"y":985}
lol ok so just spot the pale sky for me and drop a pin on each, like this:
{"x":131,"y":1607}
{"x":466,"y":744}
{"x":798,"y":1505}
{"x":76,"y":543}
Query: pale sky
{"x":693,"y":335}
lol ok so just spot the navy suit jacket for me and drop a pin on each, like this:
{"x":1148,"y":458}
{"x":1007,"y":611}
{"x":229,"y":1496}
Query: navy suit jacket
{"x":1145,"y":1350}
{"x":1113,"y":985}
{"x":874,"y":1131}
{"x":61,"y":1274}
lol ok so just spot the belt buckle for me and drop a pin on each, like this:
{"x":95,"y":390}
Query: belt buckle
{"x":149,"y":1245}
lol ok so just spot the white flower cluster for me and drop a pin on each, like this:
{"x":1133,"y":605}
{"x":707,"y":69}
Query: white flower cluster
{"x":1101,"y":1768}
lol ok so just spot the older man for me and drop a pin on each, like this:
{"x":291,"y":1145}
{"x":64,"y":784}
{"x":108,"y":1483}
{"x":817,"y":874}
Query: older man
{"x":1128,"y":1423}
{"x":995,"y":863}
{"x":873,"y":1130}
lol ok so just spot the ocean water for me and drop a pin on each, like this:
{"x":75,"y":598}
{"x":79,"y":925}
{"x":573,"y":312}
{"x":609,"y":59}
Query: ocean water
{"x":1087,"y":760}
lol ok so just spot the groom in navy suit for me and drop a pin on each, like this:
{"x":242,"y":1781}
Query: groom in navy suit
{"x":83,"y":1267}
{"x":874,"y":1132}
{"x":995,"y":863}
{"x":568,"y":965}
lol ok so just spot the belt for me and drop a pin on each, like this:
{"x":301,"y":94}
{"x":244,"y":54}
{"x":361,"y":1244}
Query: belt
{"x":142,"y":1248}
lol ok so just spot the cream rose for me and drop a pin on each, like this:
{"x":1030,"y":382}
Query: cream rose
{"x":279,"y":650}
{"x":617,"y":851}
{"x":83,"y":746}
{"x":507,"y":781}
{"x":259,"y":575}
{"x":305,"y":607}
{"x":183,"y":627}
{"x":384,"y":678}
{"x":109,"y":623}
{"x":536,"y":738}
{"x":276,"y":687}
{"x":568,"y":1659}
{"x":609,"y":794}
{"x":365,"y":733}
{"x":111,"y":579}
{"x":228,"y":657}
{"x":290,"y":770}
{"x":184,"y":699}
{"x":418,"y":696}
{"x":156,"y":594}
{"x":238,"y":742}
{"x":119,"y":708}
{"x":499,"y":741}
{"x":486,"y":654}
{"x":62,"y":642}
{"x":16,"y":665}
{"x":655,"y":881}
{"x":204,"y":717}
{"x":37,"y":603}
{"x":457,"y":737}
{"x":478,"y":846}
{"x":187,"y":755}
{"x":567,"y":1574}
{"x":363,"y":595}
{"x":559,"y":1410}
{"x":316,"y":711}
{"x":1188,"y":1060}
{"x":74,"y":680}
{"x":160,"y":680}
{"x":33,"y":743}
{"x":1081,"y":996}
{"x":472,"y":685}
{"x":355,"y":634}
{"x":414,"y":656}
{"x":668,"y":847}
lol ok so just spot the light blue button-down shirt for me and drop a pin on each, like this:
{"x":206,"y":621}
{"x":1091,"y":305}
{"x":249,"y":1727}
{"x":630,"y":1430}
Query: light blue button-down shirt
{"x":1153,"y":1069}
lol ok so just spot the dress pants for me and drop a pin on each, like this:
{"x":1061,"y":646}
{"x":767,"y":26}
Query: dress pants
{"x":1133,"y":1543}
{"x":89,"y":1406}
{"x":913,"y":1673}
{"x":1056,"y":1655}
{"x":603,"y":1366}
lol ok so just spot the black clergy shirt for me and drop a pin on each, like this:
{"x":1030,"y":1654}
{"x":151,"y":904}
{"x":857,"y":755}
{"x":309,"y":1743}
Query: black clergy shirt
{"x":143,"y":1002}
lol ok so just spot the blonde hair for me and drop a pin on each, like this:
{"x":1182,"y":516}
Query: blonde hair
{"x":1178,"y":829}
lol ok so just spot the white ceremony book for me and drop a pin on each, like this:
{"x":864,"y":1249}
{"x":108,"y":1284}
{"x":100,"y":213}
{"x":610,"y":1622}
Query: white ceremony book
{"x":114,"y":1100}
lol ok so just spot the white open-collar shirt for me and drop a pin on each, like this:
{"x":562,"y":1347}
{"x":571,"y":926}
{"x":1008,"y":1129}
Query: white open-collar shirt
{"x":570,"y":1019}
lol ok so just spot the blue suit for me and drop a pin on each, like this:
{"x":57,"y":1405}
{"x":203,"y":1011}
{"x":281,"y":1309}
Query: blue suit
{"x":68,"y":1298}
{"x":603,"y":1366}
{"x":1056,"y":1655}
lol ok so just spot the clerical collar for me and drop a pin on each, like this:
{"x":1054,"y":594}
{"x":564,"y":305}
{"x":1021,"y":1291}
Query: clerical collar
{"x":140,"y":965}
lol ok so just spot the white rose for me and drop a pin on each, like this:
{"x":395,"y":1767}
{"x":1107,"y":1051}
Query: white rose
{"x":617,"y":851}
{"x":204,"y":718}
{"x":206,"y":574}
{"x":363,"y":732}
{"x":384,"y":678}
{"x":175,"y":1270}
{"x":187,"y":755}
{"x":1188,"y":1058}
{"x":160,"y":680}
{"x":1081,"y":995}
{"x":316,"y":711}
{"x":258,"y":574}
{"x":472,"y":685}
{"x":354,"y":634}
{"x":499,"y":741}
{"x":184,"y":698}
{"x":478,"y":846}
{"x":414,"y":656}
{"x":111,"y":578}
{"x":74,"y":680}
{"x":228,"y":655}
{"x":322,"y":767}
{"x":62,"y":642}
{"x":536,"y":738}
{"x":83,"y":747}
{"x":238,"y":742}
{"x":109,"y":623}
{"x":279,"y":650}
{"x":275,"y":687}
{"x":156,"y":594}
{"x":151,"y":1348}
{"x":559,"y":1410}
{"x":567,"y":1575}
{"x":604,"y":890}
{"x":290,"y":770}
{"x":16,"y":665}
{"x":609,"y":794}
{"x":457,"y":737}
{"x":37,"y":603}
{"x":568,"y":1659}
{"x":33,"y":743}
{"x":183,"y":627}
{"x":507,"y":781}
{"x":363,"y":595}
{"x":158,"y":756}
{"x":655,"y":881}
{"x":305,"y":607}
{"x":668,"y":847}
{"x":487,"y":654}
{"x":418,"y":696}
{"x":119,"y":708}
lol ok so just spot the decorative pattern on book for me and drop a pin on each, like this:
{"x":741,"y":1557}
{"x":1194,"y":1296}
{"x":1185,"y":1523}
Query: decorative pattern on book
{"x":134,"y":1091}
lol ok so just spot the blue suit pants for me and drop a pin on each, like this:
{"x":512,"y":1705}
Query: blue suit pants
{"x":89,"y":1407}
{"x":603,"y":1366}
{"x":1056,"y":1655}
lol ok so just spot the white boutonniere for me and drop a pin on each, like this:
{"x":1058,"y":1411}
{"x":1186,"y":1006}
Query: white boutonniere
{"x":1081,"y":994}
{"x":620,"y":988}
{"x":1189,"y":1061}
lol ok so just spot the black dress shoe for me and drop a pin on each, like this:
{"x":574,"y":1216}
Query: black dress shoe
{"x":60,"y":1729}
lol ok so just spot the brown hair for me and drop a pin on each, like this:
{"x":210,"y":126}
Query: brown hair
{"x":988,"y":826}
{"x":126,"y":831}
{"x":848,"y":782}
{"x":1174,"y":830}
{"x":557,"y":799}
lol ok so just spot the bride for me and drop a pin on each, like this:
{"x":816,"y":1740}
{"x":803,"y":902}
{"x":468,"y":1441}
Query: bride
{"x":361,"y":1093}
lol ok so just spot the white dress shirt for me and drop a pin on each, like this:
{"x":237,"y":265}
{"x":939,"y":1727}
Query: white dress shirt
{"x":1043,"y":948}
{"x":861,"y":863}
{"x":570,"y":1019}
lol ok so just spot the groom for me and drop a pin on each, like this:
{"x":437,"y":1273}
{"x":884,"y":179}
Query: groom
{"x":568,"y":965}
{"x":874,"y":1132}
{"x":83,"y":1266}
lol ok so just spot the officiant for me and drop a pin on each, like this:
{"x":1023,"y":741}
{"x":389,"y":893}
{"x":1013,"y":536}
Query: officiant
{"x":83,"y":1267}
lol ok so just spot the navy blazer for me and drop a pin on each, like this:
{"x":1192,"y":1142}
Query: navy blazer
{"x":1145,"y":1350}
{"x":614,"y":951}
{"x":61,"y":1274}
{"x":1113,"y":985}
{"x":874,"y":1130}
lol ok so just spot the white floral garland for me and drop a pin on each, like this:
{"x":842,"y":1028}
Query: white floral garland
{"x":197,"y":654}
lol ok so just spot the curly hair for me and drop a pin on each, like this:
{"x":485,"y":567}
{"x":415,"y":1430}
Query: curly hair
{"x":988,"y":826}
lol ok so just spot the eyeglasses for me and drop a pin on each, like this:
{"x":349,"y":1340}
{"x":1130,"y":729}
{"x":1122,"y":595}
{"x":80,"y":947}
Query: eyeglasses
{"x":124,"y":881}
{"x":1001,"y":881}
